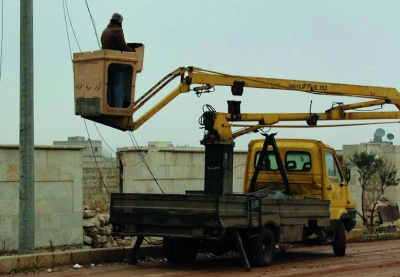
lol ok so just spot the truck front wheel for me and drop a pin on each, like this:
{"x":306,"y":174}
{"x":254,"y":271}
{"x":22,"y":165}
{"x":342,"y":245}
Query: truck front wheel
{"x":263,"y":248}
{"x":339,"y":244}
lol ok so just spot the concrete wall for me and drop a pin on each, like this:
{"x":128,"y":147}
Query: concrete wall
{"x":58,"y":195}
{"x":100,"y":174}
{"x":175,"y":169}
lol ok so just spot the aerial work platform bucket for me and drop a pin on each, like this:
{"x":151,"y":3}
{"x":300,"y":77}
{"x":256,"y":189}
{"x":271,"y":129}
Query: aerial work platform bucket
{"x":92,"y":78}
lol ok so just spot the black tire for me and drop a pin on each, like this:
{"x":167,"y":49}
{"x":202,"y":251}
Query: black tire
{"x":169,"y":251}
{"x":339,"y":244}
{"x":263,"y":248}
{"x":186,"y":250}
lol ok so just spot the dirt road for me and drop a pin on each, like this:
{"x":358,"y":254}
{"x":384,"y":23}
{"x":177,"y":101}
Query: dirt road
{"x":378,"y":258}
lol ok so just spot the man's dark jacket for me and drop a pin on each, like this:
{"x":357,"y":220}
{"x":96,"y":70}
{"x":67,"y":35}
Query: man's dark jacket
{"x":113,"y":38}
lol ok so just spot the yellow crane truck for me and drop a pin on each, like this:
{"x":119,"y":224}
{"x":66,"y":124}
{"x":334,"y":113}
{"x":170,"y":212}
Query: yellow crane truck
{"x":294,"y":191}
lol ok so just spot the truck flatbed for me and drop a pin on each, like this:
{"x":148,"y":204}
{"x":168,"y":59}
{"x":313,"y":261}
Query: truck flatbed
{"x":205,"y":216}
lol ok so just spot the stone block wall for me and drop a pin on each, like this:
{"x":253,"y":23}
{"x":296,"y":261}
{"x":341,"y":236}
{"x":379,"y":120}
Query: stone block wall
{"x":98,"y":182}
{"x":176,"y":170}
{"x":58,"y":195}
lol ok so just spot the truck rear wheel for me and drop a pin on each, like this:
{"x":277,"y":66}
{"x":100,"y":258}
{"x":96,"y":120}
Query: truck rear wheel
{"x":168,"y":249}
{"x":339,"y":244}
{"x":186,"y":250}
{"x":263,"y":248}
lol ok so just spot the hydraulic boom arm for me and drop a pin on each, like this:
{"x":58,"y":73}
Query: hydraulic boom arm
{"x":202,"y":81}
{"x":92,"y":89}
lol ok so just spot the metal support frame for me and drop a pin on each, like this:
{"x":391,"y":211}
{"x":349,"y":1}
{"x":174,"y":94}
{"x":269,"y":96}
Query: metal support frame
{"x":239,"y":246}
{"x":270,"y":140}
{"x":218,"y":176}
{"x":135,"y":250}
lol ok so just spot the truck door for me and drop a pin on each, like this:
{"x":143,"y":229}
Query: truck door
{"x":336,"y":191}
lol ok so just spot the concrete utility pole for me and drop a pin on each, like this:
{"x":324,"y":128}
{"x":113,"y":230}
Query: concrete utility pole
{"x":26,"y":239}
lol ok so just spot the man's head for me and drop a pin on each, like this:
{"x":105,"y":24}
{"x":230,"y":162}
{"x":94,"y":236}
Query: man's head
{"x":116,"y":17}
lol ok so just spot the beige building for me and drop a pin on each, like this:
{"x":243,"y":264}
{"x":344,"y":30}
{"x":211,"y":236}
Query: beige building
{"x":90,"y":147}
{"x":382,"y":149}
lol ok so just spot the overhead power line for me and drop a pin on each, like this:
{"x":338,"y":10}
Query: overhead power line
{"x":134,"y":142}
{"x":93,"y":24}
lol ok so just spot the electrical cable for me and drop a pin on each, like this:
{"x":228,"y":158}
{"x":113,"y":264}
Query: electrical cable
{"x":139,"y":162}
{"x":87,"y":130}
{"x":95,"y":125}
{"x":65,"y":7}
{"x":97,"y":165}
{"x":298,"y":186}
{"x":368,"y":110}
{"x":72,"y":28}
{"x":136,"y":145}
{"x":246,"y":78}
{"x":93,"y":24}
{"x":149,"y":241}
{"x":131,"y":135}
{"x":208,"y":111}
{"x":66,"y":29}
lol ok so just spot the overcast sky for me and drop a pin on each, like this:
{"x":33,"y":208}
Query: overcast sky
{"x":354,"y":42}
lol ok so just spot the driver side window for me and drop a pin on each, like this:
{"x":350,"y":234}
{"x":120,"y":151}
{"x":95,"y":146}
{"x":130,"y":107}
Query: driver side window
{"x":332,"y":168}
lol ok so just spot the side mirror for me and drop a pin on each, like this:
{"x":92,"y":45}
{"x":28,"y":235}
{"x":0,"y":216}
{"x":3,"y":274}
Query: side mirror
{"x":347,"y":174}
